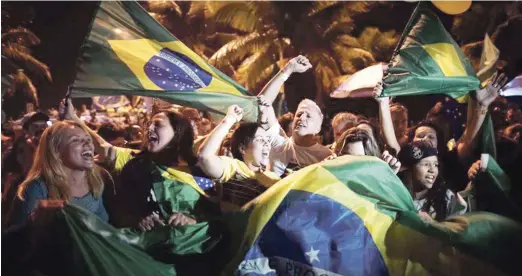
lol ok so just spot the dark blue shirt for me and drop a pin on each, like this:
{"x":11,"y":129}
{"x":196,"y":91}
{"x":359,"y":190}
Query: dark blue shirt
{"x":37,"y":191}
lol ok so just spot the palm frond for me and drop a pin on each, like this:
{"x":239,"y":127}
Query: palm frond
{"x":319,"y":6}
{"x":243,"y":16}
{"x":345,"y":26}
{"x":352,"y":60}
{"x":220,"y":38}
{"x":350,"y":9}
{"x":26,"y":61}
{"x":21,"y":83}
{"x":197,"y":9}
{"x":20,"y":36}
{"x":323,"y":79}
{"x":239,"y":48}
{"x":322,"y":57}
{"x":368,"y":36}
{"x":347,"y":41}
{"x":18,"y":47}
{"x":165,"y":7}
{"x":384,"y":44}
{"x":381,"y":44}
{"x":255,"y":68}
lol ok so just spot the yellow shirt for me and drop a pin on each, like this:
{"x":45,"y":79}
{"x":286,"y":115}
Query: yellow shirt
{"x":238,"y":184}
{"x":123,"y":156}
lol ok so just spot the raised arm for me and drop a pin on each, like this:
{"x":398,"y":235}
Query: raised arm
{"x":209,"y":161}
{"x":479,"y":105}
{"x":386,"y":120}
{"x":267,"y":117}
{"x":298,"y":64}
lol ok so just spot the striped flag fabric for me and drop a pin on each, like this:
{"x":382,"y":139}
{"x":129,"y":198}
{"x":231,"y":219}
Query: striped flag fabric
{"x":332,"y":218}
{"x":428,"y":61}
{"x":335,"y":218}
{"x":127,"y":52}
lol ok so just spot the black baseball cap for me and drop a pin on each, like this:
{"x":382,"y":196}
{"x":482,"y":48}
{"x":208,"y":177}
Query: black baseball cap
{"x":32,"y":117}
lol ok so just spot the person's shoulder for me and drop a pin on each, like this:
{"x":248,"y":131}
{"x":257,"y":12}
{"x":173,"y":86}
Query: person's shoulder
{"x":319,"y":148}
{"x":35,"y":188}
{"x":123,"y":156}
{"x":238,"y":165}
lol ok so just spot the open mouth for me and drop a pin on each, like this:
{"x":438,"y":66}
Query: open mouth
{"x":265,"y":154}
{"x":88,"y":154}
{"x":300,"y":125}
{"x":430,"y":178}
{"x":153,"y":138}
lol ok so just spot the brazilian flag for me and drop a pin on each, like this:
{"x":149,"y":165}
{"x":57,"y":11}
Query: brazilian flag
{"x":428,"y":61}
{"x":332,"y":218}
{"x":336,"y":218}
{"x":128,"y":52}
{"x":492,"y":190}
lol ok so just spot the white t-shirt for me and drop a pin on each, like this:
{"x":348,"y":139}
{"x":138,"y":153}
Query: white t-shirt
{"x":285,"y":154}
{"x":455,"y":205}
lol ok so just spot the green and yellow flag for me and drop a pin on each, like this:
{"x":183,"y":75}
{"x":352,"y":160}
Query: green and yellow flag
{"x":428,"y":61}
{"x":335,"y":218}
{"x":492,"y":190}
{"x":128,"y":52}
{"x":487,"y":68}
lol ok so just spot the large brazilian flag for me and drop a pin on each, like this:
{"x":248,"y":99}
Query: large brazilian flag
{"x":128,"y":52}
{"x":336,"y":218}
{"x":428,"y":61}
{"x":332,"y":218}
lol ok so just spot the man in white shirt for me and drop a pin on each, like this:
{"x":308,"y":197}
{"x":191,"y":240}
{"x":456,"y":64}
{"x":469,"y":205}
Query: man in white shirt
{"x":301,"y":149}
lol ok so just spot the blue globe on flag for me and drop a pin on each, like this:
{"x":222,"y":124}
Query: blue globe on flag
{"x":311,"y":234}
{"x":174,"y":71}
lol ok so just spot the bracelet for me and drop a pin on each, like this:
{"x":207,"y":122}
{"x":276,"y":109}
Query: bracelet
{"x":483,"y":110}
{"x":284,"y":75}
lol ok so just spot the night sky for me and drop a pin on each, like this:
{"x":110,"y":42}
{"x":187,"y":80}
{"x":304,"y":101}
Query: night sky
{"x":61,"y":27}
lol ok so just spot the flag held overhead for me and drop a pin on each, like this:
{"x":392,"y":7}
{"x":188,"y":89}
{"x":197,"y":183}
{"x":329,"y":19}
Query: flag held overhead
{"x":428,"y":61}
{"x":128,"y":52}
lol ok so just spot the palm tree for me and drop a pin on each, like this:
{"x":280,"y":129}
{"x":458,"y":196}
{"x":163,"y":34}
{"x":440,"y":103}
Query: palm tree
{"x":189,"y":22}
{"x":272,"y":32}
{"x":17,"y":60}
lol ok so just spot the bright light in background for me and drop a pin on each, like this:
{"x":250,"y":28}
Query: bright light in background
{"x":118,"y":31}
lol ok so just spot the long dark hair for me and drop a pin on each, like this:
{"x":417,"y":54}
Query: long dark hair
{"x":376,"y":132}
{"x":435,"y":197}
{"x":354,"y":134}
{"x":181,"y":145}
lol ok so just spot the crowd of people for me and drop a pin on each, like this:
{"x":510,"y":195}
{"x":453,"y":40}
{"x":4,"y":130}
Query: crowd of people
{"x":112,"y":169}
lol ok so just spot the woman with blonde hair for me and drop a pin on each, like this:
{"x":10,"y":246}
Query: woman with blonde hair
{"x":64,"y":170}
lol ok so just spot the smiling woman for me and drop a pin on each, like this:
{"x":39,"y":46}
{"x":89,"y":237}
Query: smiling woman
{"x":63,"y":170}
{"x":430,"y":195}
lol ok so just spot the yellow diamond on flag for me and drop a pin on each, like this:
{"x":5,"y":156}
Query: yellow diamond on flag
{"x":447,"y":59}
{"x":170,"y":66}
